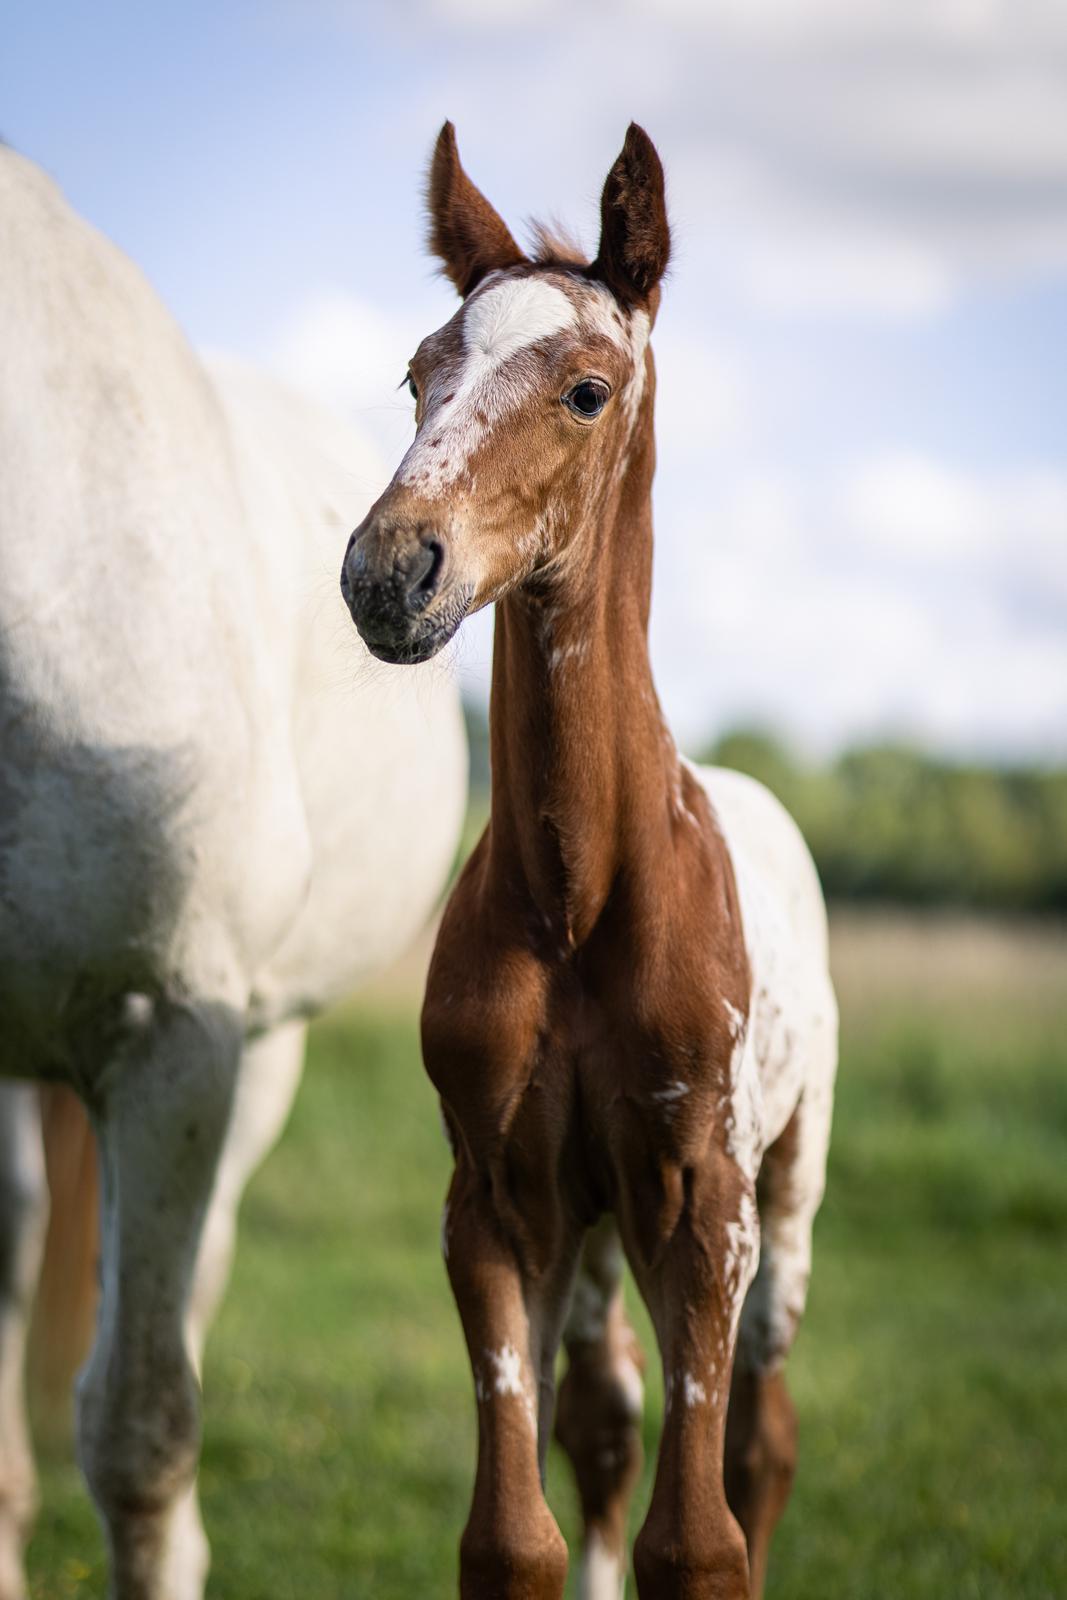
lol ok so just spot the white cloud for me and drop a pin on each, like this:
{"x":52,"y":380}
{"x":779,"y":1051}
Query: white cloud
{"x":843,"y":156}
{"x":1006,"y":531}
{"x":889,"y":277}
{"x":704,"y":401}
{"x":905,"y":505}
{"x":351,"y":356}
{"x":906,"y":597}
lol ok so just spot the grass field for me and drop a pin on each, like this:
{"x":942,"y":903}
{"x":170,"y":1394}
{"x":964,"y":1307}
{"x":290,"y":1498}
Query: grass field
{"x":930,"y":1374}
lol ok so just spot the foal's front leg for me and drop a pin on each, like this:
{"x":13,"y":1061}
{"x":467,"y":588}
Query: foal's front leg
{"x":694,"y":1268}
{"x":512,"y":1316}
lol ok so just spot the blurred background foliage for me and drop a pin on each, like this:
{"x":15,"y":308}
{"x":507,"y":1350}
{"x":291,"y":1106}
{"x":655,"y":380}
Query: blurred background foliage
{"x":897,"y":824}
{"x":894,"y":823}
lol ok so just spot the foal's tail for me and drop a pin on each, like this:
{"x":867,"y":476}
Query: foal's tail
{"x":63,"y":1315}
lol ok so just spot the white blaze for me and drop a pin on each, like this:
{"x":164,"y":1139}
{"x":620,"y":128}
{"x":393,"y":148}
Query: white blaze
{"x":500,"y":322}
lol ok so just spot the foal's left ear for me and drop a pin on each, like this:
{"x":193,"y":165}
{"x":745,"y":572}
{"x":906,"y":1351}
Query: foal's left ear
{"x":470,"y":238}
{"x":635,"y":239}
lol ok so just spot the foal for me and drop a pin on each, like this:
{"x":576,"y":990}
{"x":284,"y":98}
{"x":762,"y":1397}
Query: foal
{"x":628,"y":1018}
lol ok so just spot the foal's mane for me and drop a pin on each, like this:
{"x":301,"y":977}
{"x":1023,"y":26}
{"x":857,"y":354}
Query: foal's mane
{"x":554,"y":245}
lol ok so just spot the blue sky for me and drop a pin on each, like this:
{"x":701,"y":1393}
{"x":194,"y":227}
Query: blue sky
{"x":862,"y":497}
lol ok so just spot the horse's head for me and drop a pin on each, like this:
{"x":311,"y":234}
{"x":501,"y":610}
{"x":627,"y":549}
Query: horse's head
{"x":527,"y":407}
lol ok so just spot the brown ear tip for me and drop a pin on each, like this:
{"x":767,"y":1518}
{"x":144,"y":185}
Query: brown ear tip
{"x":637,"y":141}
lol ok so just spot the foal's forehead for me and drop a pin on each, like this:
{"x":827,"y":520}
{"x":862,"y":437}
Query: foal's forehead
{"x":514,"y":309}
{"x":490,"y":360}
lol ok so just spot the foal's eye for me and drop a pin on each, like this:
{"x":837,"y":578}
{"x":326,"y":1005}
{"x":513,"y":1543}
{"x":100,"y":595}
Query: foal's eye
{"x":588,"y":398}
{"x":413,"y":388}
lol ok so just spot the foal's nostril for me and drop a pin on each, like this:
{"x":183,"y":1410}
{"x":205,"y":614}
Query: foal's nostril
{"x":424,"y":574}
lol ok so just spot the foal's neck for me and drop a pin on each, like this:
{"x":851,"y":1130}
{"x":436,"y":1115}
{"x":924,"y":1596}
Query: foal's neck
{"x":583,"y":769}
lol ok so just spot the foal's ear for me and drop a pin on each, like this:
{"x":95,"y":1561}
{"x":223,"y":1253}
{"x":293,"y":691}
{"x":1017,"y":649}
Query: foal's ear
{"x":635,"y":239}
{"x":465,"y":232}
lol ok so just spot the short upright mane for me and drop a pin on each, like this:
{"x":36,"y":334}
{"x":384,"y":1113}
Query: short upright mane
{"x":555,"y":246}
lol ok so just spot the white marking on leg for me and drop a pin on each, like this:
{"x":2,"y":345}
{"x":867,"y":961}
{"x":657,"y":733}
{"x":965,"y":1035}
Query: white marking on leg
{"x":601,"y":1575}
{"x":741,"y":1259}
{"x":745,"y":1115}
{"x":509,"y":1380}
{"x":632,"y":1386}
{"x":694,"y":1390}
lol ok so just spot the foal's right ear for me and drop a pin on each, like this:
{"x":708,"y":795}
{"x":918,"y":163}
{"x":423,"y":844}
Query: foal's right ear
{"x":465,"y":232}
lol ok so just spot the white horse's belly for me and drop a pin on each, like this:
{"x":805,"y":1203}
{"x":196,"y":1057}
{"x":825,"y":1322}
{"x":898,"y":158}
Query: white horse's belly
{"x":136,"y":870}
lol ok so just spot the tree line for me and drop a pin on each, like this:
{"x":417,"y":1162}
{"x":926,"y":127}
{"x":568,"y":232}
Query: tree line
{"x":892,"y":822}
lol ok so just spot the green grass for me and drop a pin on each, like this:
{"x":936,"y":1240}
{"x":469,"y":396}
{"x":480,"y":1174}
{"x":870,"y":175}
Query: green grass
{"x":930,"y":1374}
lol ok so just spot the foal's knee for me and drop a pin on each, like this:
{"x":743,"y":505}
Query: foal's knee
{"x":700,"y":1562}
{"x":525,"y":1561}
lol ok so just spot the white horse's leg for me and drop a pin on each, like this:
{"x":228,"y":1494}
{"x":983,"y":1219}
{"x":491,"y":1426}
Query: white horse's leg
{"x":269,"y":1076}
{"x":161,"y":1119}
{"x":23,"y":1220}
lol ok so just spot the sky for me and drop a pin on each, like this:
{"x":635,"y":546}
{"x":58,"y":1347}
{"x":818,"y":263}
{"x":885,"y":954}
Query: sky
{"x":861,"y":501}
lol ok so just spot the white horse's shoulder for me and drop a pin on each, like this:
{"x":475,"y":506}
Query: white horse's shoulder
{"x":381,"y":751}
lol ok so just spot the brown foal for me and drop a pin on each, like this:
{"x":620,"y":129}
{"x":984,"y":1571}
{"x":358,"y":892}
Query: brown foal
{"x":628,"y":1016}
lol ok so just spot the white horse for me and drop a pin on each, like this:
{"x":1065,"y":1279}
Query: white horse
{"x":215,"y":817}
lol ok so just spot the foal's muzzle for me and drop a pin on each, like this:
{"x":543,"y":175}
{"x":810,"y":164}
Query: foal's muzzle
{"x":391,"y":576}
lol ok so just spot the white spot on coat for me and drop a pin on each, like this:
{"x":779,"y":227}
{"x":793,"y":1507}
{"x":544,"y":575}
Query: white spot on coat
{"x":674,"y":1091}
{"x":509,"y":1381}
{"x":695,"y":1393}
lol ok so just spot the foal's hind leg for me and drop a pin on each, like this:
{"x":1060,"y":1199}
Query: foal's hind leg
{"x":598,"y":1421}
{"x":23,"y":1219}
{"x":761,"y":1429}
{"x":161,"y":1119}
{"x":266,"y":1085}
